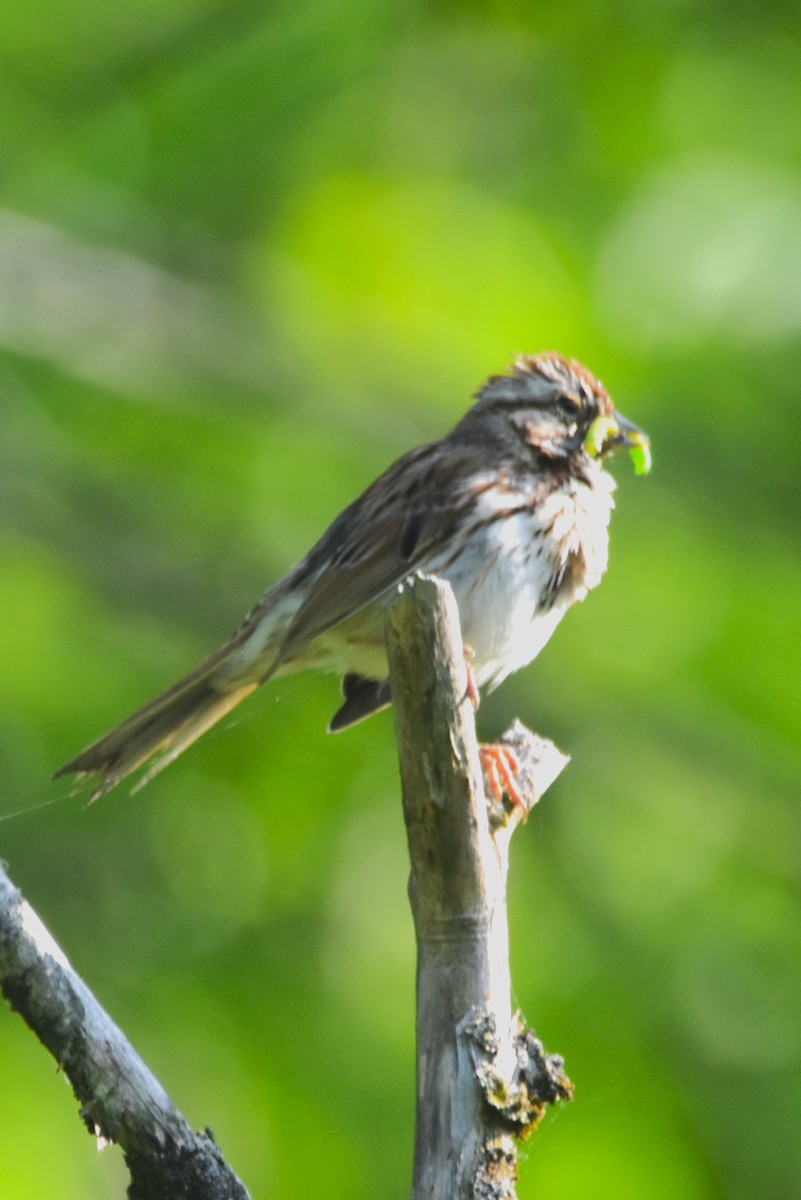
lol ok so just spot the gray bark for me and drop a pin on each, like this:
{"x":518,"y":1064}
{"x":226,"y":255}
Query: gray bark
{"x":121,"y":1100}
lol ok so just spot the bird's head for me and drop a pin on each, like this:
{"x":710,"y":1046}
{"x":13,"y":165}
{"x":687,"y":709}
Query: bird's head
{"x":556,"y":406}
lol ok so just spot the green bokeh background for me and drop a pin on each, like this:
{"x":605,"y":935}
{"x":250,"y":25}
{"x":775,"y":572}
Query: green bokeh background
{"x":248,"y":255}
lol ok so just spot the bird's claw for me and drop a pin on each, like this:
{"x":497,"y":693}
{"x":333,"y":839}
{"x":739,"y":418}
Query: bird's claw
{"x":501,"y":768}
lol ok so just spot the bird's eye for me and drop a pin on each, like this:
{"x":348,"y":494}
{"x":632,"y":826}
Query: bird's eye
{"x":569,"y":407}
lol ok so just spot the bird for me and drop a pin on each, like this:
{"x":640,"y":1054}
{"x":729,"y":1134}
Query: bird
{"x":511,"y":508}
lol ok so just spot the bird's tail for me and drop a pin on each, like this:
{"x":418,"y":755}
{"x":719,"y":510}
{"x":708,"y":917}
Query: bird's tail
{"x":170,"y":723}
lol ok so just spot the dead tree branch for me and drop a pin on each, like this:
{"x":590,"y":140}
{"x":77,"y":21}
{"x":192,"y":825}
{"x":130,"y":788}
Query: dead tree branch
{"x":121,"y":1100}
{"x":481,"y":1077}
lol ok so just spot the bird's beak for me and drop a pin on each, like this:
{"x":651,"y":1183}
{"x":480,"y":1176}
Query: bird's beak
{"x":609,"y":432}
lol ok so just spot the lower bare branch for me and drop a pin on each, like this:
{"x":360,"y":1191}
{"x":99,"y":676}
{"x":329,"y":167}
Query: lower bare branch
{"x":121,"y":1100}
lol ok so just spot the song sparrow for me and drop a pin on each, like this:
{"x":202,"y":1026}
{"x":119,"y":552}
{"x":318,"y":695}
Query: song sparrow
{"x":511,"y":508}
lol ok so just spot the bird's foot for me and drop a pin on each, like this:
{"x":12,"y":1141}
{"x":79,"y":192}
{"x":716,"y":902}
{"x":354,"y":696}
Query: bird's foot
{"x":501,"y":768}
{"x":472,"y":687}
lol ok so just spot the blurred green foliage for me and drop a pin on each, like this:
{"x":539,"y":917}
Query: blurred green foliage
{"x":248,"y":255}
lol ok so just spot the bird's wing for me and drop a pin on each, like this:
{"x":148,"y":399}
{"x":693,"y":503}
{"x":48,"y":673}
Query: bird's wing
{"x":381,"y":538}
